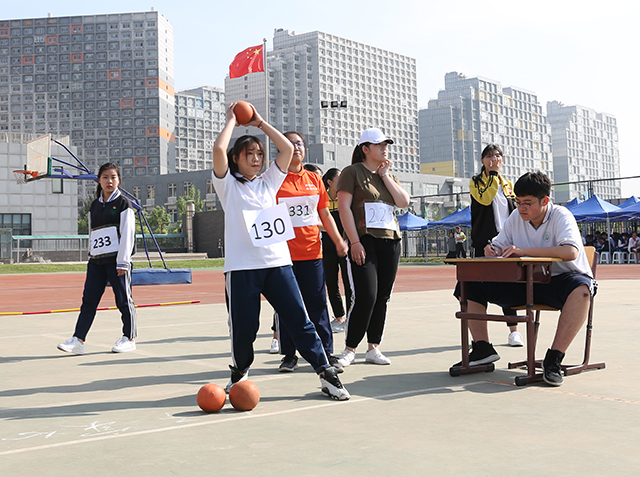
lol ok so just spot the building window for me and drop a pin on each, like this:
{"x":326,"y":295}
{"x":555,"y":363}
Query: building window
{"x":57,"y":186}
{"x":209,"y":186}
{"x":151,"y":191}
{"x":172,"y":189}
{"x":186,"y":185}
{"x":136,"y":192}
{"x":20,"y":224}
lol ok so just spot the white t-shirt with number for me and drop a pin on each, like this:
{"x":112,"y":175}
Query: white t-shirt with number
{"x":246,"y":224}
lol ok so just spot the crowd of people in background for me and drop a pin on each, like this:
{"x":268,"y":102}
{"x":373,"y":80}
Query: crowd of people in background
{"x":618,"y":242}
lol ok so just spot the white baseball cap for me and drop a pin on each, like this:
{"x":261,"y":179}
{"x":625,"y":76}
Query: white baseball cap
{"x":374,"y":136}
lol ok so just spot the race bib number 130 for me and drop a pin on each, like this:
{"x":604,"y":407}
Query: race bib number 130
{"x":269,"y":226}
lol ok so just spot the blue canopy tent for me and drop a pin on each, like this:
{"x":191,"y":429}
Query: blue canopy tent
{"x":573,"y":202}
{"x":461,"y":217}
{"x":409,"y":221}
{"x":630,"y":212}
{"x":630,"y":201}
{"x":595,"y":209}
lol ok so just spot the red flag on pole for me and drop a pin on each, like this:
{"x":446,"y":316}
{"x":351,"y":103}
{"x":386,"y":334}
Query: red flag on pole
{"x":247,"y":61}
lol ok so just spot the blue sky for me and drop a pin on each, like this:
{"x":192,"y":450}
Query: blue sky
{"x":577,"y":52}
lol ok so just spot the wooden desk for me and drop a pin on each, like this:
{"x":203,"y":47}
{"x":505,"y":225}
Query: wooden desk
{"x":528,"y":270}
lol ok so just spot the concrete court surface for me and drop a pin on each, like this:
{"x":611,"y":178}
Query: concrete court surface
{"x":106,"y":414}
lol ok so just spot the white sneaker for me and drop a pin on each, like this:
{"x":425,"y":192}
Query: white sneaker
{"x":347,"y":357}
{"x":275,"y":346}
{"x":375,"y":356}
{"x":123,"y":345}
{"x":336,"y":326}
{"x":72,"y":345}
{"x":515,"y":339}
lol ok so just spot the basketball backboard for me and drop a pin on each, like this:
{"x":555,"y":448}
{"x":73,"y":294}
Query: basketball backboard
{"x":39,"y":157}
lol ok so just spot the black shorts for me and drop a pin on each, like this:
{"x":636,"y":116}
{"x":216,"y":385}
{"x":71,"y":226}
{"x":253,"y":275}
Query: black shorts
{"x":554,"y":293}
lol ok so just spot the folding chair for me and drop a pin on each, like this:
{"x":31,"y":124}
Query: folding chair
{"x":592,"y":256}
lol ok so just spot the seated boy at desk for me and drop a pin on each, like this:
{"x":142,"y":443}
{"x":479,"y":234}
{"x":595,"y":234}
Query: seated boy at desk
{"x":539,"y":229}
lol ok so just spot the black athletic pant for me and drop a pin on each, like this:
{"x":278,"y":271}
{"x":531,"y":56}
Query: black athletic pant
{"x":371,"y":285}
{"x":98,"y":273}
{"x":332,"y":266}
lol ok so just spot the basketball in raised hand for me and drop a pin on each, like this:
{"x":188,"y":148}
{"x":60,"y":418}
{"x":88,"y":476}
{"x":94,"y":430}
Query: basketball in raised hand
{"x":243,"y":112}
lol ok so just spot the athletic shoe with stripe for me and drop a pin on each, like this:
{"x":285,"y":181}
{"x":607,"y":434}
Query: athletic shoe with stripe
{"x":236,"y":377}
{"x":331,"y":385}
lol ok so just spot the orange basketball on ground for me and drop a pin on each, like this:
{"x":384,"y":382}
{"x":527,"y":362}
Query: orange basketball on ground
{"x":244,"y":396}
{"x":211,"y":398}
{"x":243,"y":112}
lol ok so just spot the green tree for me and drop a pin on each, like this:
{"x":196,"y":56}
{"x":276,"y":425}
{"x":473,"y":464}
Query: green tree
{"x":83,"y":215}
{"x":159,"y":218}
{"x":194,"y":196}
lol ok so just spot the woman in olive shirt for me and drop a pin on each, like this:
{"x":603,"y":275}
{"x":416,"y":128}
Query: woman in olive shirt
{"x":367,"y":194}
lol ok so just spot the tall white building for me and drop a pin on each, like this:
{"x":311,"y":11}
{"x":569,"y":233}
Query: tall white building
{"x":106,"y":81}
{"x":331,"y":89}
{"x":585,"y":147}
{"x":472,"y":112}
{"x":200,"y":116}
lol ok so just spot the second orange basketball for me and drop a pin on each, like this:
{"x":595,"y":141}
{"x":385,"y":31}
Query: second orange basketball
{"x":243,"y":112}
{"x":244,"y":395}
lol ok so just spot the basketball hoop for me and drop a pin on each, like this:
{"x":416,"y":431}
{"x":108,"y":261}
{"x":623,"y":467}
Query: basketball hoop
{"x":22,"y":176}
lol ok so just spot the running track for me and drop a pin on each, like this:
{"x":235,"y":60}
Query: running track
{"x":61,"y":291}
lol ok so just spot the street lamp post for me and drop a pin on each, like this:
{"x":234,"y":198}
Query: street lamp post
{"x":334,"y":105}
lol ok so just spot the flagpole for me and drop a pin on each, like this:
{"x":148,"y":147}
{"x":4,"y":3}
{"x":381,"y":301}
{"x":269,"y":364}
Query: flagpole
{"x":266,"y":99}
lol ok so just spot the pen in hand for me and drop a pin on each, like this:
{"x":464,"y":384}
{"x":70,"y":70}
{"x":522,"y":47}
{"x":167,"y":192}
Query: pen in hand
{"x":492,"y":247}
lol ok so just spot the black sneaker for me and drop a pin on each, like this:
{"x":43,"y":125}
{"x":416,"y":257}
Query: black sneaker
{"x":236,"y":376}
{"x":289,"y":364}
{"x":552,"y":367}
{"x":331,"y":385}
{"x":333,"y":361}
{"x":481,"y":353}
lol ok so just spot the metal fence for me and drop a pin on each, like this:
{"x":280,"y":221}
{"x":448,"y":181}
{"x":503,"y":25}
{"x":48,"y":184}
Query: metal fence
{"x":75,"y":247}
{"x":428,"y":243}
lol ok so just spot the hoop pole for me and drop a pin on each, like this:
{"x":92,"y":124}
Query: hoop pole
{"x":85,"y":168}
{"x":71,"y":165}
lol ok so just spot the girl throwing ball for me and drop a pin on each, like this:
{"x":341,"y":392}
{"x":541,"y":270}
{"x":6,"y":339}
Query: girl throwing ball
{"x":257,"y":257}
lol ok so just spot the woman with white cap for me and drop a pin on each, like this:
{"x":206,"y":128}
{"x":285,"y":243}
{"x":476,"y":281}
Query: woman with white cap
{"x":367,"y":195}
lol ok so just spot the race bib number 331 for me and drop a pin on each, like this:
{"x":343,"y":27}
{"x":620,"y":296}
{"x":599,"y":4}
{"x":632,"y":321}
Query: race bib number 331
{"x":269,"y":226}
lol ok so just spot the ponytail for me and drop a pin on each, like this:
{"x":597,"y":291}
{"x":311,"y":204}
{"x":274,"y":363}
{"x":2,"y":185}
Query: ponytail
{"x":358,"y":153}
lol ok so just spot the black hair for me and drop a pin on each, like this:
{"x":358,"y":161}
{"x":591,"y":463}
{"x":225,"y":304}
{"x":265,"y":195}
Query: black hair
{"x":489,"y":149}
{"x":304,"y":139}
{"x":313,"y":168}
{"x":358,"y":153}
{"x":241,"y":144}
{"x":477,"y":180}
{"x":535,"y":184}
{"x":105,"y":167}
{"x":329,"y":176}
